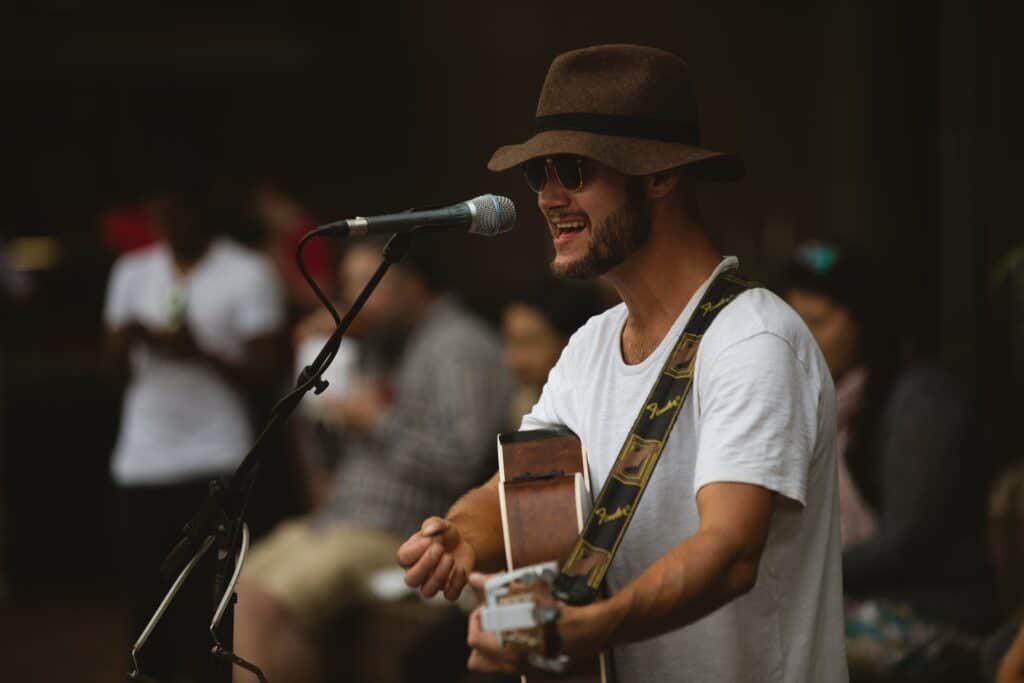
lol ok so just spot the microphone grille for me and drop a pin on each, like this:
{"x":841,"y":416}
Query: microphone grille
{"x":493,"y":214}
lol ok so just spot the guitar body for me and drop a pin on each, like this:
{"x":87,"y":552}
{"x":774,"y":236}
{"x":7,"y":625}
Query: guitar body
{"x":545,"y":500}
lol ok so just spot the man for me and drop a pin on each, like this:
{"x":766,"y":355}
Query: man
{"x":730,"y":570}
{"x":194,"y":325}
{"x":411,"y":446}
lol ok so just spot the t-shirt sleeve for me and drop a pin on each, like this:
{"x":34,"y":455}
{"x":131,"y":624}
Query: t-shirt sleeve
{"x":758,"y":417}
{"x":116,"y":310}
{"x":263,"y":309}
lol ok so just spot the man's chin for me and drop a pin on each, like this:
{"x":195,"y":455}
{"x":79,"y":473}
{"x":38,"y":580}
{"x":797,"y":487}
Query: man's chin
{"x":578,"y":269}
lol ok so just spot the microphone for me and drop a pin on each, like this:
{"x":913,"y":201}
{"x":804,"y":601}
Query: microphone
{"x":485,"y":215}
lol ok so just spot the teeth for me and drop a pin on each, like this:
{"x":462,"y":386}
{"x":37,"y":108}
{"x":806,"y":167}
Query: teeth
{"x":570,"y":225}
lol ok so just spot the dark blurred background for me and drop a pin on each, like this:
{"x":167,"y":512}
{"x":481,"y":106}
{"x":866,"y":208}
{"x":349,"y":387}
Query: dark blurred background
{"x":892,"y":125}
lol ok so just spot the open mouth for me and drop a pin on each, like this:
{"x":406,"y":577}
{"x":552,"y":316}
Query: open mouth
{"x":568,"y":227}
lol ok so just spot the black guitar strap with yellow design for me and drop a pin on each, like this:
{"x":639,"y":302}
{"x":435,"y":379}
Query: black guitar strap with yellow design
{"x":584,"y":570}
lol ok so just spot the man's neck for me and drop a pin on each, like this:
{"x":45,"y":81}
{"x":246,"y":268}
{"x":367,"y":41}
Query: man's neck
{"x":657,"y":282}
{"x":186,"y":259}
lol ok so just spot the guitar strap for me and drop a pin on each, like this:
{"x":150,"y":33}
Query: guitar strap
{"x":581,"y":575}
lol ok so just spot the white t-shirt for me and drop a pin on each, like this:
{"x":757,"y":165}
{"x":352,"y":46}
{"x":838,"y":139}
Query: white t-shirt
{"x":180,"y":419}
{"x":761,"y":411}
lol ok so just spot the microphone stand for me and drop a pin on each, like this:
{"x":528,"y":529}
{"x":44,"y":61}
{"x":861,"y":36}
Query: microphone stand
{"x":219,"y":522}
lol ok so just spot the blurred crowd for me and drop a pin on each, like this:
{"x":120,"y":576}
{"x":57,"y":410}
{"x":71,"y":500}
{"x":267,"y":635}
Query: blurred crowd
{"x":204,"y":332}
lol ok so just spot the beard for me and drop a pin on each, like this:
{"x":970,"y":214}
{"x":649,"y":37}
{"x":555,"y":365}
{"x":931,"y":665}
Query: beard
{"x":618,"y":236}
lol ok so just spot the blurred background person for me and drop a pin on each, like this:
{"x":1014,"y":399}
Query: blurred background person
{"x":315,"y":425}
{"x":194,"y":325}
{"x":417,"y":430}
{"x":282,"y":219}
{"x":913,"y":473}
{"x":535,"y":326}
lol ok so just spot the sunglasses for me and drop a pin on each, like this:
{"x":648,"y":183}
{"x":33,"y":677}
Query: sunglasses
{"x":568,"y":170}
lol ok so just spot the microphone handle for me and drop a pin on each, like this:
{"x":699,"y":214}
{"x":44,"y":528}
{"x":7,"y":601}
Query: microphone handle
{"x":459,"y":215}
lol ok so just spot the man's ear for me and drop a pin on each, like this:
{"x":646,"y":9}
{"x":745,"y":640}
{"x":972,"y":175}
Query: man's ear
{"x":657,"y":185}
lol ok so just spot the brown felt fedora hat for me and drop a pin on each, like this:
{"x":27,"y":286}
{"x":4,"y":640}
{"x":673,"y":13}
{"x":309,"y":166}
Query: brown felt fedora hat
{"x":629,"y":107}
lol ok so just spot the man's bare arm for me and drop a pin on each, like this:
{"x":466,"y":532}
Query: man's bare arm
{"x":711,"y":568}
{"x":477,"y":515}
{"x":714,"y":566}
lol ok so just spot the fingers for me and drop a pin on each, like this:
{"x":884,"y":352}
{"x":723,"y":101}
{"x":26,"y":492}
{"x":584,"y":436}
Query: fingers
{"x":456,"y":582}
{"x":412,"y":550}
{"x":487,"y":656}
{"x":475,"y":628}
{"x":439,"y":577}
{"x":477,"y":581}
{"x":482,"y":664}
{"x":434,"y":525}
{"x":443,"y":529}
{"x":427,"y":563}
{"x":418,"y":573}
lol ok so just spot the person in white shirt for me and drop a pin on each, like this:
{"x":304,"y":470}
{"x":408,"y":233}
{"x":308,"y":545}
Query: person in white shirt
{"x":730,"y":569}
{"x":194,"y":324}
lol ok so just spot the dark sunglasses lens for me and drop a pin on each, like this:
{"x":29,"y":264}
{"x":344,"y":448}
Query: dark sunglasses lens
{"x":569,"y":170}
{"x":536,"y":173}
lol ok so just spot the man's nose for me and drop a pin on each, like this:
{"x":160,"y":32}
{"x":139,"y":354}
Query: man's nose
{"x":552,"y":195}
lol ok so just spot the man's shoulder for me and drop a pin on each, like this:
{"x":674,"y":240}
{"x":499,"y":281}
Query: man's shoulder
{"x":143,"y":256}
{"x":760,"y":311}
{"x":237,"y":271}
{"x":228,"y":253}
{"x":140,"y":262}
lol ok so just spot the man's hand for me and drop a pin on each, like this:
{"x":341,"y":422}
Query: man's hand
{"x":486,"y":655}
{"x":437,"y":558}
{"x":584,"y":632}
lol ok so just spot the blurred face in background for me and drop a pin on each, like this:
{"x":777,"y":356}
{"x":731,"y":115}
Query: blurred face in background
{"x":278,"y":211}
{"x":358,"y":265}
{"x":170,"y":216}
{"x":532,"y":345}
{"x":391,"y":310}
{"x":833,"y":326}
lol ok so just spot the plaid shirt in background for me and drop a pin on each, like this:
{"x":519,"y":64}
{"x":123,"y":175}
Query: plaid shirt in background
{"x":452,"y":393}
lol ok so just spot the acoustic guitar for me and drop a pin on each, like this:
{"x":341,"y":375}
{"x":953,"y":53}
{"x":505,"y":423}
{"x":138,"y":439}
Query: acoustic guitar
{"x":545,"y":500}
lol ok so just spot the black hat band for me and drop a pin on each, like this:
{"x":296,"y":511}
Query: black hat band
{"x":622,"y":126}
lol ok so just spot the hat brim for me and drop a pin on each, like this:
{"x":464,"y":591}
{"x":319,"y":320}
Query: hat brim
{"x":630,"y":156}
